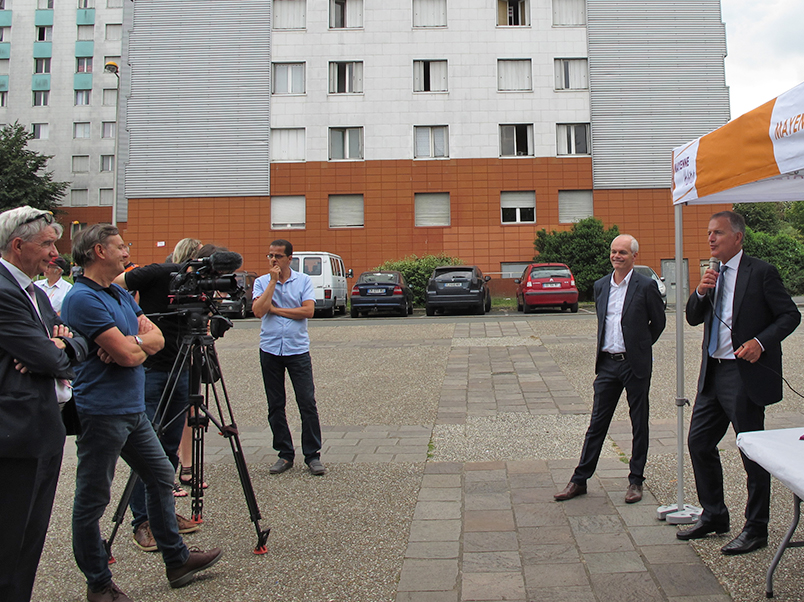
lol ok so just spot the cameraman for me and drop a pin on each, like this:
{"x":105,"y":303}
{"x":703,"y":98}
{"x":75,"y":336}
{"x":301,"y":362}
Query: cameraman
{"x":153,"y":284}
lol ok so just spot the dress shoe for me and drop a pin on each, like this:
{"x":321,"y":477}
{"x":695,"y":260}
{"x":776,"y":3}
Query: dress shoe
{"x":144,"y":539}
{"x":570,"y":491}
{"x":198,"y":561}
{"x":316,"y":467}
{"x":701,"y":529}
{"x":110,"y":593}
{"x":281,"y":466}
{"x":633,"y":494}
{"x":744,"y":543}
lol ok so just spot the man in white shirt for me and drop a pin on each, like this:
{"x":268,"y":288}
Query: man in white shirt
{"x":630,"y":319}
{"x":54,"y":285}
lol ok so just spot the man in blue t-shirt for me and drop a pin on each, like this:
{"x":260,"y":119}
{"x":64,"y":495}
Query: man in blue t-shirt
{"x":284,"y":299}
{"x":110,"y":397}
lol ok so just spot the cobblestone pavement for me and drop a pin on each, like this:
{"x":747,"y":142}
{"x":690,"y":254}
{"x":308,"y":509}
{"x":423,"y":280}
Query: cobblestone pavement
{"x":445,"y":443}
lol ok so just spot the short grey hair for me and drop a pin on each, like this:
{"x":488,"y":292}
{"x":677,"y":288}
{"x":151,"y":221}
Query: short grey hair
{"x":185,"y":249}
{"x":634,"y":243}
{"x":736,"y":220}
{"x":84,"y":242}
{"x":12,"y":225}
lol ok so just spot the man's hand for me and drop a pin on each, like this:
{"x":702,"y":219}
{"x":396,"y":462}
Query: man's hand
{"x":749,"y":351}
{"x":20,"y":368}
{"x":708,"y":282}
{"x":145,"y":324}
{"x":105,"y":357}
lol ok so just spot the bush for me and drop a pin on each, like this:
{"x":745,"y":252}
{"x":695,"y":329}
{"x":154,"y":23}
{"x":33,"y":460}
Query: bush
{"x":782,"y":251}
{"x":585,"y":249}
{"x":417,"y":271}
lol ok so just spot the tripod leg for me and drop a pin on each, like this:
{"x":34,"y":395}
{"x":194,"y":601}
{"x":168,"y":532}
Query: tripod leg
{"x":198,"y":421}
{"x":120,"y":513}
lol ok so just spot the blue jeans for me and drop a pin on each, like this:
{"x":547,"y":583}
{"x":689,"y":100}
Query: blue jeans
{"x":175,"y":415}
{"x":102,"y":440}
{"x":300,"y":370}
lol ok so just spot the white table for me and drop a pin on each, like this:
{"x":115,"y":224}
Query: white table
{"x":781,"y":453}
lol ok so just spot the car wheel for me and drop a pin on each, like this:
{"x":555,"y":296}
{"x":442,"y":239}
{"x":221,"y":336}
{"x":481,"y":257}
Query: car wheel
{"x":574,"y":308}
{"x":481,"y":308}
{"x":354,"y":312}
{"x":519,"y":306}
{"x":342,"y":309}
{"x":328,"y":312}
{"x":241,"y":312}
{"x":488,"y":304}
{"x":410,"y":308}
{"x":527,"y":308}
{"x":430,"y":311}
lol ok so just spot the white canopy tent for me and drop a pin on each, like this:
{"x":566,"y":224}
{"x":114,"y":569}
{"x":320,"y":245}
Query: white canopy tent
{"x":758,"y":157}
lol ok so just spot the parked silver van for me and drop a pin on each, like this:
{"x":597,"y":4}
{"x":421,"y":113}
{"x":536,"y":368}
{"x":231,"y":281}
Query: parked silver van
{"x":329,"y":279}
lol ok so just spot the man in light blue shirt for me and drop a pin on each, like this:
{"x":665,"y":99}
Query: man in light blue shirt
{"x":284,"y":300}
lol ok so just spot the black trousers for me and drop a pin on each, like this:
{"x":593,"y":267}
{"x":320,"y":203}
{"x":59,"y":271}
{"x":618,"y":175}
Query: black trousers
{"x":25,"y":507}
{"x":612,"y":378}
{"x":723,"y":401}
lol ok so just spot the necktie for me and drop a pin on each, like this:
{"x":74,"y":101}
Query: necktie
{"x":714,"y":333}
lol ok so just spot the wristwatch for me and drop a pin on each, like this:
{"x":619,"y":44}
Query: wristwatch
{"x":138,"y":340}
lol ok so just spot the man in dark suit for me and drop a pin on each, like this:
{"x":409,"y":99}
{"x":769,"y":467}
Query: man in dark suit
{"x":630,"y":319}
{"x":741,"y":373}
{"x":36,"y":354}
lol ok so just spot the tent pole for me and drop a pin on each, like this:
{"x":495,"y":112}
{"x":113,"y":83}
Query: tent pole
{"x":679,"y":513}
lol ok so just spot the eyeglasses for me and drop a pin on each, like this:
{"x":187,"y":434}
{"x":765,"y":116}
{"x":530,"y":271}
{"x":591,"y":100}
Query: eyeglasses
{"x":275,"y":256}
{"x":47,"y":216}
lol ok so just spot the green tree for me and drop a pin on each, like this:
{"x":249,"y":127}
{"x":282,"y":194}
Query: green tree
{"x":794,"y":215}
{"x":23,"y":176}
{"x":417,"y":270}
{"x":584,"y":248}
{"x":761,"y":217}
{"x":782,"y":251}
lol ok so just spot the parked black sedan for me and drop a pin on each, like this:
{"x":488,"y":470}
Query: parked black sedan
{"x":238,"y":304}
{"x":458,"y":286}
{"x":382,"y":291}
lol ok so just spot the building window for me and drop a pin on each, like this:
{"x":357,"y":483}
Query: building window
{"x":41,"y":65}
{"x":83,"y":64}
{"x":569,"y":13}
{"x":429,"y":13}
{"x":108,"y":129}
{"x":41,"y":98}
{"x":431,"y":141}
{"x":44,"y":4}
{"x":40,"y":131}
{"x":574,"y":205}
{"x":513,"y":12}
{"x":82,"y":98}
{"x":109,"y":97}
{"x":432,"y":209}
{"x":114,"y":32}
{"x":86,"y":32}
{"x":345,"y":143}
{"x":112,"y":59}
{"x":288,"y":212}
{"x":44,"y":33}
{"x":3,"y":32}
{"x":81,"y":129}
{"x":288,"y":78}
{"x":106,"y":196}
{"x":80,"y":163}
{"x":107,"y":163}
{"x":518,"y":207}
{"x":573,"y":139}
{"x":516,"y":140}
{"x":287,"y":144}
{"x":346,"y":211}
{"x":78,"y":198}
{"x":514,"y":75}
{"x":346,"y":77}
{"x":76,"y":227}
{"x":3,"y":98}
{"x":345,"y":14}
{"x":86,"y":3}
{"x":429,"y":76}
{"x":290,"y":14}
{"x":571,"y":74}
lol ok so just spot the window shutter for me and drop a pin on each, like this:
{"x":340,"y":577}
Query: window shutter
{"x":422,"y":135}
{"x":288,"y":144}
{"x":517,"y":199}
{"x":346,"y":211}
{"x":289,"y":14}
{"x":354,"y":13}
{"x":432,"y":209}
{"x":438,"y":76}
{"x":288,"y":212}
{"x":574,"y":205}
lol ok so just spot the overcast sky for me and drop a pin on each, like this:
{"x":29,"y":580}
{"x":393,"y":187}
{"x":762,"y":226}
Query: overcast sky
{"x":766,"y":50}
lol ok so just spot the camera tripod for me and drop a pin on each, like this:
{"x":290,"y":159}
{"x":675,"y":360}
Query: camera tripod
{"x":198,"y":351}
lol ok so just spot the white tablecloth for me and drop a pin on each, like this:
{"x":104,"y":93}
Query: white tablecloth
{"x":780,"y":452}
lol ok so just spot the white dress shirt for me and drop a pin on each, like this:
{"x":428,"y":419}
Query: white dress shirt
{"x":55,"y":293}
{"x":613,"y":341}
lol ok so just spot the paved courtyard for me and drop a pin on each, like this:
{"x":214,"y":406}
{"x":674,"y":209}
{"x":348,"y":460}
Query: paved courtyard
{"x":445,"y":441}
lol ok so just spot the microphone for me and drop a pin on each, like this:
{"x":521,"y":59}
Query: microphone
{"x":225,"y":262}
{"x":714,"y":264}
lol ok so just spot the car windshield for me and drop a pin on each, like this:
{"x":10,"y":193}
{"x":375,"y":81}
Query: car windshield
{"x":550,"y":271}
{"x":452,"y":275}
{"x":645,"y":271}
{"x":378,"y":277}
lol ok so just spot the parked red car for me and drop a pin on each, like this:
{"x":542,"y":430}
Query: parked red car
{"x":546,"y":285}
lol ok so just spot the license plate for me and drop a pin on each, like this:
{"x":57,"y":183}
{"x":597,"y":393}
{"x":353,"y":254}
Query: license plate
{"x":376,"y":291}
{"x":552,"y":285}
{"x":453,"y":284}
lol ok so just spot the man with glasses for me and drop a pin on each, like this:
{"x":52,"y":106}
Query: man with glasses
{"x":284,"y":300}
{"x":37,"y":353}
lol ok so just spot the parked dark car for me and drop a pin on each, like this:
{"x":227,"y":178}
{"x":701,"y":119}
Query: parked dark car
{"x":546,"y":285}
{"x":381,"y":291}
{"x":457,"y":286}
{"x":238,"y":305}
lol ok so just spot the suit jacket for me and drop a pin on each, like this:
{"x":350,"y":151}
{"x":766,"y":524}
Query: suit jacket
{"x":642,"y":321}
{"x":30,"y":419}
{"x":763,"y":310}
